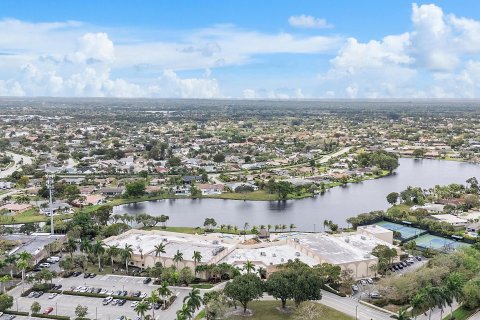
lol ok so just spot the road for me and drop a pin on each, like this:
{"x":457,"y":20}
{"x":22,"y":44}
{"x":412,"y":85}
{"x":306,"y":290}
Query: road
{"x":19,"y":160}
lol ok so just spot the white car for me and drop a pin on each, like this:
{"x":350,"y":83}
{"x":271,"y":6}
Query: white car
{"x":53,"y":295}
{"x":134,"y":304}
{"x":103,"y":291}
{"x":107,"y":300}
{"x":370,"y":280}
{"x":44,"y":265}
{"x":143,"y":295}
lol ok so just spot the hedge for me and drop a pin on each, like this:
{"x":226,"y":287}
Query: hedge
{"x":18,"y":313}
{"x":98,"y":295}
{"x":50,"y":316}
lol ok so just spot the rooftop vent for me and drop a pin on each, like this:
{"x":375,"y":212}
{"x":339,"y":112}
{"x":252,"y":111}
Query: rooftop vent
{"x":263,"y":253}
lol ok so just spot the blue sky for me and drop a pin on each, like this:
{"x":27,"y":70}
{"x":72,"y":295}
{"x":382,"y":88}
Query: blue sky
{"x":241,"y":49}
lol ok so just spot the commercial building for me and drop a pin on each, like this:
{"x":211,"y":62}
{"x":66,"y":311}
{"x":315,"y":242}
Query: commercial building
{"x":37,"y":244}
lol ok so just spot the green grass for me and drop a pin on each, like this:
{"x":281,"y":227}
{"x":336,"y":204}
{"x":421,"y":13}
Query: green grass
{"x":267,"y":310}
{"x":30,"y":216}
{"x":460,"y":314}
{"x":202,"y":286}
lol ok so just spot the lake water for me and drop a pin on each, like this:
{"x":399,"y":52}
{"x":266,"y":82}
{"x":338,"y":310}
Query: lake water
{"x":336,"y":204}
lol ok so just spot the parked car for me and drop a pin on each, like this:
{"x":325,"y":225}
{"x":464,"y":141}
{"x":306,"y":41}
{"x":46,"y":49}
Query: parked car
{"x":124,"y":292}
{"x":143,"y":295}
{"x":93,"y":275}
{"x":374,"y":295}
{"x":76,"y":273}
{"x":354,"y":288}
{"x":107,"y":300}
{"x":137,"y":294}
{"x":10,"y":317}
{"x":86,"y":275}
{"x":133,"y":304}
{"x":147,"y":280}
{"x":121,"y":302}
{"x":418,"y":258}
{"x":39,"y":294}
{"x":48,"y":310}
{"x":156,"y":306}
{"x":114,"y":302}
{"x":31,"y":294}
{"x":44,"y":265}
{"x":52,"y":295}
{"x":370,"y":281}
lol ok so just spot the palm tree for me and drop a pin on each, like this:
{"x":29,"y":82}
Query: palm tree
{"x":277,"y":227}
{"x":112,"y":252}
{"x":71,"y":246}
{"x":184,"y":313}
{"x":10,"y":261}
{"x":98,"y":250}
{"x":159,"y":249}
{"x":153,"y":299}
{"x":283,"y":227}
{"x":454,"y":284}
{"x":417,"y":303}
{"x":126,"y":254}
{"x":178,"y":257}
{"x":197,"y":257}
{"x":248,"y":266}
{"x":85,"y":246}
{"x":22,"y":264}
{"x":164,"y":291}
{"x":269,"y":227}
{"x":292,"y":226}
{"x":193,"y":300}
{"x":235,"y":228}
{"x":402,"y":315}
{"x":141,"y":308}
{"x":325,"y":224}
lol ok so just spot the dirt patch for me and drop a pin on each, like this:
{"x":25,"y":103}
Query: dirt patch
{"x":239,"y":312}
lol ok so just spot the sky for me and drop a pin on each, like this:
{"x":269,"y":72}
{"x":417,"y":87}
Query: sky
{"x":243,"y":49}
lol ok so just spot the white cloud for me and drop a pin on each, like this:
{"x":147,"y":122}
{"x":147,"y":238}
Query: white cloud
{"x":307,"y":21}
{"x":171,"y":85}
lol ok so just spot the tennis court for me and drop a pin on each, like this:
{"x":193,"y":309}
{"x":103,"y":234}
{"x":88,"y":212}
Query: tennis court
{"x":439,"y":243}
{"x":405,"y":231}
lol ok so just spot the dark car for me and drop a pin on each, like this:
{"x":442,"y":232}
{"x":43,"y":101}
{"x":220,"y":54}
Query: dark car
{"x":76,"y":273}
{"x":399,"y":266}
{"x":156,"y":306}
{"x":124,"y":292}
{"x":137,"y":294}
{"x":121,"y":302}
{"x":86,"y":275}
{"x":147,"y":280}
{"x":418,"y":258}
{"x":93,"y":275}
{"x":404,"y":264}
{"x":97,"y":290}
{"x":36,"y":269}
{"x":39,"y":294}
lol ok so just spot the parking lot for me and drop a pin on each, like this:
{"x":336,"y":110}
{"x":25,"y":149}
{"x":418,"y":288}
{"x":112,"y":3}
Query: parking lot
{"x":66,"y":304}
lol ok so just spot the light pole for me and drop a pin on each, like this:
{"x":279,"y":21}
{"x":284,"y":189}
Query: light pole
{"x":50,"y":189}
{"x":356,"y":312}
{"x":56,"y":309}
{"x":95,"y":313}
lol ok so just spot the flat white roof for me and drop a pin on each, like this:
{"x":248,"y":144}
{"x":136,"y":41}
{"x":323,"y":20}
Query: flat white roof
{"x":450,"y":218}
{"x":186,"y":244}
{"x":373,"y":228}
{"x":342,"y":249}
{"x":273,"y":255}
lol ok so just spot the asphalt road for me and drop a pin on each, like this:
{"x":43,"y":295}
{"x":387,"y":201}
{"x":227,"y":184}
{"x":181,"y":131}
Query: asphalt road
{"x":18,"y":159}
{"x":66,"y":304}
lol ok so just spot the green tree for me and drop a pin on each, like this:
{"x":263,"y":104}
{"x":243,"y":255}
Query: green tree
{"x":126,"y":254}
{"x":402,"y":315}
{"x":471,"y":293}
{"x":193,"y":300}
{"x":178,"y":257}
{"x":35,"y":307}
{"x":219,"y":157}
{"x":164,"y":291}
{"x":248,"y":266}
{"x":159,"y":249}
{"x":244,"y":289}
{"x":81,"y":311}
{"x":197,"y":257}
{"x":392,"y":198}
{"x":135,"y":189}
{"x":98,"y":250}
{"x":71,"y":245}
{"x":385,"y":256}
{"x":278,"y":286}
{"x":141,"y":308}
{"x":6,"y":302}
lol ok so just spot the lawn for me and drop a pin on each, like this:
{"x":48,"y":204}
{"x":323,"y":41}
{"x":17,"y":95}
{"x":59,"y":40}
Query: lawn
{"x":29,"y":216}
{"x":267,"y":310}
{"x":460,"y":314}
{"x":259,"y":195}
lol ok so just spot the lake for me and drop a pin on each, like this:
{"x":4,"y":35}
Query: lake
{"x":337,"y":204}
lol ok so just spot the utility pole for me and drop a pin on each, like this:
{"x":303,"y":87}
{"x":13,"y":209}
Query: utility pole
{"x":50,"y":189}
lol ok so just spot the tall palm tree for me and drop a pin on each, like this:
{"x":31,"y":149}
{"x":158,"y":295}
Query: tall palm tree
{"x":178,"y":257}
{"x":402,"y":315}
{"x":10,"y":261}
{"x":112,"y":252}
{"x":85,"y":246}
{"x":248,"y":266}
{"x":141,"y":308}
{"x":269,"y":227}
{"x":159,"y":249}
{"x":184,"y":313}
{"x":98,"y":250}
{"x":197,"y":257}
{"x":193,"y":300}
{"x":277,"y":227}
{"x":153,"y":298}
{"x":22,"y":264}
{"x":71,"y":246}
{"x":292,"y":226}
{"x":164,"y":291}
{"x":245,"y":226}
{"x":126,"y":254}
{"x":283,"y":227}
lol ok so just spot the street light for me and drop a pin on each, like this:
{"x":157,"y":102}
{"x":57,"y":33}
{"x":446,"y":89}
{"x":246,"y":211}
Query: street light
{"x":356,"y":312}
{"x":50,"y":190}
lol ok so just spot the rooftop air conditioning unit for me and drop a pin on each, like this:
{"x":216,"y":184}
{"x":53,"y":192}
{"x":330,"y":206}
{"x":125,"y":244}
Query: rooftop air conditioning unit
{"x":164,"y":240}
{"x":263,"y":253}
{"x":274,"y":255}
